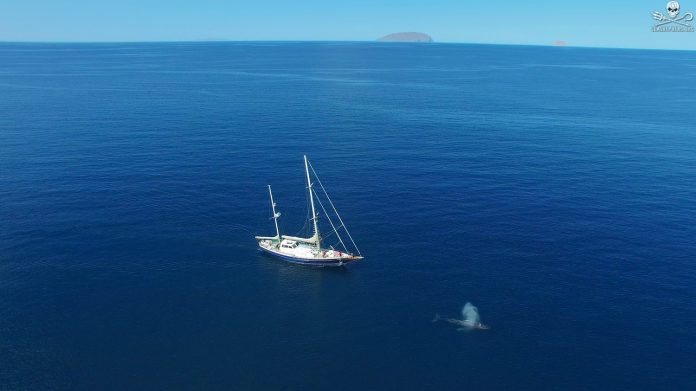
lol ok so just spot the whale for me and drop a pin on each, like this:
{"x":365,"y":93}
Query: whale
{"x":463,"y":323}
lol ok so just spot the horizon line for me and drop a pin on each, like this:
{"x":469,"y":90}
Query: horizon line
{"x":333,"y":41}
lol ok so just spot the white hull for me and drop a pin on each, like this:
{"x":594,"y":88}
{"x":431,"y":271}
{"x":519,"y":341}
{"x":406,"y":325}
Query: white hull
{"x":307,"y":254}
{"x":308,"y":250}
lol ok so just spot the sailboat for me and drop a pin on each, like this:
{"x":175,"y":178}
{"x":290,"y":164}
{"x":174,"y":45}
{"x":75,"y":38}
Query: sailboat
{"x":310,"y":251}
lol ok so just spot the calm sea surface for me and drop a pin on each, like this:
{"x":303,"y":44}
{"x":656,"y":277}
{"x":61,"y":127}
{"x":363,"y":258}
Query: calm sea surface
{"x":555,"y":188}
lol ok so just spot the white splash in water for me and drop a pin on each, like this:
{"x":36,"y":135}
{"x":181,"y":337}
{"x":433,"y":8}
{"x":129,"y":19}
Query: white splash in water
{"x":470,"y":314}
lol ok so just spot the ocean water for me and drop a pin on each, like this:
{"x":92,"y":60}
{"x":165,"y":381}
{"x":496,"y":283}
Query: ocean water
{"x":554,"y":188}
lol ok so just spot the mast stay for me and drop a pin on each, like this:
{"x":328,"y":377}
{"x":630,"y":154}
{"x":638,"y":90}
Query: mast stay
{"x":332,"y":224}
{"x":334,"y":209}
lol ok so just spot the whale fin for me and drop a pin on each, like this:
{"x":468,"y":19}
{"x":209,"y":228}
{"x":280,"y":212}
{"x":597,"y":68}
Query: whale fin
{"x":436,"y":318}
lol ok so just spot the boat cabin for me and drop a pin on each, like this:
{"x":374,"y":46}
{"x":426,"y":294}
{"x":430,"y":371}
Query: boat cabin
{"x":288,"y":244}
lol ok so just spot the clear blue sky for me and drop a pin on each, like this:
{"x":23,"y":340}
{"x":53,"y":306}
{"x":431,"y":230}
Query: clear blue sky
{"x":619,"y":23}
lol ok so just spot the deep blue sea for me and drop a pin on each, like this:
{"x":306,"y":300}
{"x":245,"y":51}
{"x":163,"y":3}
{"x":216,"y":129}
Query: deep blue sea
{"x":554,"y":188}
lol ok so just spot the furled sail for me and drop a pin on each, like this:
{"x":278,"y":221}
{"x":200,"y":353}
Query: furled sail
{"x":266,"y":237}
{"x":313,"y":240}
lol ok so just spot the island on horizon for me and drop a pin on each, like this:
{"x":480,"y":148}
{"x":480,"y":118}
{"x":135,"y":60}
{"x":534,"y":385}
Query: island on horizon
{"x":406,"y":37}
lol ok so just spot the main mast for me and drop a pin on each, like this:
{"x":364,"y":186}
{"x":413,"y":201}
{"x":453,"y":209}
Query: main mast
{"x":311,"y":201}
{"x":275,"y":215}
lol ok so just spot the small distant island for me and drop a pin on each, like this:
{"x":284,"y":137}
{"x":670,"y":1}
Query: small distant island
{"x":406,"y":37}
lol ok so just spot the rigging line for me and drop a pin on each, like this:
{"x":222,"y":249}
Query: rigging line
{"x":334,"y":208}
{"x":304,"y":231}
{"x":330,"y":222}
{"x":242,"y":227}
{"x":331,"y":233}
{"x":335,"y":243}
{"x":324,"y":237}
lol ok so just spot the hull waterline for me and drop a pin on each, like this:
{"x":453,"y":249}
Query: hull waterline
{"x":330,"y":262}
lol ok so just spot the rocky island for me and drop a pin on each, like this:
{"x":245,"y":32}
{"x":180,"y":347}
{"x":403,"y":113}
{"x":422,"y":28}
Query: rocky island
{"x":406,"y":37}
